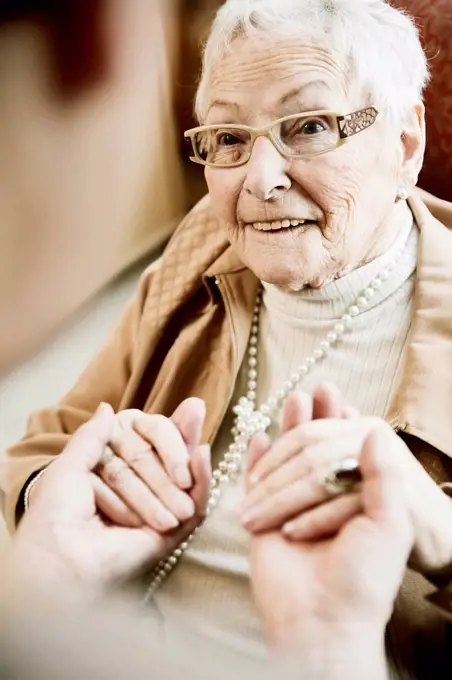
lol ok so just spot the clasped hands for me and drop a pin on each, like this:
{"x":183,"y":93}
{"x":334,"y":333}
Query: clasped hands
{"x":310,"y":553}
{"x":160,"y":476}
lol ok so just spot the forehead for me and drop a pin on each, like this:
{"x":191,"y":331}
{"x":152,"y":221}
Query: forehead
{"x":263,"y":77}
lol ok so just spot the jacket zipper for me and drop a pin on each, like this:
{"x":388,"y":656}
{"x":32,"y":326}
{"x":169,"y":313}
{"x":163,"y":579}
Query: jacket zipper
{"x":220,"y":283}
{"x":398,"y":427}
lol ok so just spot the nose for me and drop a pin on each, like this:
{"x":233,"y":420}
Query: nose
{"x":266,"y":172}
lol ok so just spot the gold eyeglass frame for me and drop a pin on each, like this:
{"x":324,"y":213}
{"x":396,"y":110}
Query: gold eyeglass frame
{"x":348,"y":126}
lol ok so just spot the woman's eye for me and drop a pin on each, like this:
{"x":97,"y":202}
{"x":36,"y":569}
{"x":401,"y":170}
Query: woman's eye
{"x":312,"y":127}
{"x":228,"y":139}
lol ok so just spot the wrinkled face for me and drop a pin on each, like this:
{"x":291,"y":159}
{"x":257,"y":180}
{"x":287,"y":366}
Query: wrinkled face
{"x":346,"y":197}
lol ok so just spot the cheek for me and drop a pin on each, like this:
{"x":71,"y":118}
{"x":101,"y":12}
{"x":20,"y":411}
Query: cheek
{"x":355,"y":192}
{"x":355,"y":173}
{"x":224,"y":189}
{"x":332,"y":182}
{"x":367,"y":179}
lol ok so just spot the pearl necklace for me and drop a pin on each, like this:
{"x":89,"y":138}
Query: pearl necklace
{"x":249,"y":420}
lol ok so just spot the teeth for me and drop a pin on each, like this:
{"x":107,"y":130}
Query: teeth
{"x":276,"y":226}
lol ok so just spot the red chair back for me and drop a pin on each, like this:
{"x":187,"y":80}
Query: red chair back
{"x":434,"y":18}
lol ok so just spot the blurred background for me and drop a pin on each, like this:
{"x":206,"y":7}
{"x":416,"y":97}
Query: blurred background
{"x":94,"y":176}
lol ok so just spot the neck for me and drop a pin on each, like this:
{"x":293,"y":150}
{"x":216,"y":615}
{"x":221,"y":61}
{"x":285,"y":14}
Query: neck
{"x":399,"y":219}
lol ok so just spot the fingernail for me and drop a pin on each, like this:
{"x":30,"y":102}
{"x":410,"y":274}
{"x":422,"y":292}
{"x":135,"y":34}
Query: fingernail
{"x":182,"y":476}
{"x":254,"y":478}
{"x":104,"y":417}
{"x":186,"y":508}
{"x":288,"y":528}
{"x":103,"y":409}
{"x":249,"y":516}
{"x":166,"y":520}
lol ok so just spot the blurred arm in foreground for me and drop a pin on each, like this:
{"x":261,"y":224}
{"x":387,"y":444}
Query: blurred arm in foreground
{"x":90,"y":175}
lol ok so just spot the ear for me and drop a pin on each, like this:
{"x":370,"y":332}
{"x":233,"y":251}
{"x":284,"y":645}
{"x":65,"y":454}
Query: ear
{"x":413,"y":140}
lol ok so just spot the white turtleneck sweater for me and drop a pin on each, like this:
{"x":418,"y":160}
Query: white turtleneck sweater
{"x":210,"y":588}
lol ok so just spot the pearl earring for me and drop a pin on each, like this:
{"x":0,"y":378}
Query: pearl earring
{"x":402,"y":194}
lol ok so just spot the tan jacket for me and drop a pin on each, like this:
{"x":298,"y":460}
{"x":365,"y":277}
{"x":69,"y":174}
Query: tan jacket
{"x":185,"y":334}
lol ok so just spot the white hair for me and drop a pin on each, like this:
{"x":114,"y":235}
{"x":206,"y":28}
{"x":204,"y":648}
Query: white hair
{"x":380,"y":44}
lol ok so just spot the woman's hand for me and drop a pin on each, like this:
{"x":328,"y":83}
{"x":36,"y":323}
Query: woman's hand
{"x":157,"y":476}
{"x":287,"y":490}
{"x":147,"y":476}
{"x":329,"y":598}
{"x":62,"y":538}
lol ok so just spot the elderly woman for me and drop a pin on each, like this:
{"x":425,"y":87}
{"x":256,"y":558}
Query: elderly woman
{"x":312,"y":259}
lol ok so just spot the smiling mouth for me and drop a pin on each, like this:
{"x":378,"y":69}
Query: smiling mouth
{"x":279,"y":225}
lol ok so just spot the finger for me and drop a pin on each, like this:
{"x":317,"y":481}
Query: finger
{"x":189,"y":419}
{"x":87,"y":445}
{"x":125,"y":419}
{"x":201,"y":468}
{"x":165,"y":438}
{"x":295,"y":498}
{"x":384,"y":503}
{"x":325,"y":520}
{"x":110,"y":505}
{"x":313,"y":460}
{"x":328,"y":401}
{"x":349,"y":413}
{"x":137,"y":496}
{"x":258,"y":447}
{"x":291,"y":443}
{"x":298,"y":409}
{"x":140,"y":457}
{"x":382,"y":485}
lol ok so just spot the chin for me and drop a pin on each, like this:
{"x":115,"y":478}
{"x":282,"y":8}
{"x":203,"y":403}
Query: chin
{"x":289,"y":277}
{"x":284,"y":261}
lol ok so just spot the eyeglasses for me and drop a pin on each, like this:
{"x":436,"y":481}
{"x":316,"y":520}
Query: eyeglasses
{"x":295,"y":136}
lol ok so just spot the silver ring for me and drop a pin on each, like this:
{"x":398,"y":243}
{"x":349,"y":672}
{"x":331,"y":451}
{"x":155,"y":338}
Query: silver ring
{"x":107,"y":457}
{"x":110,"y":463}
{"x":344,"y":477}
